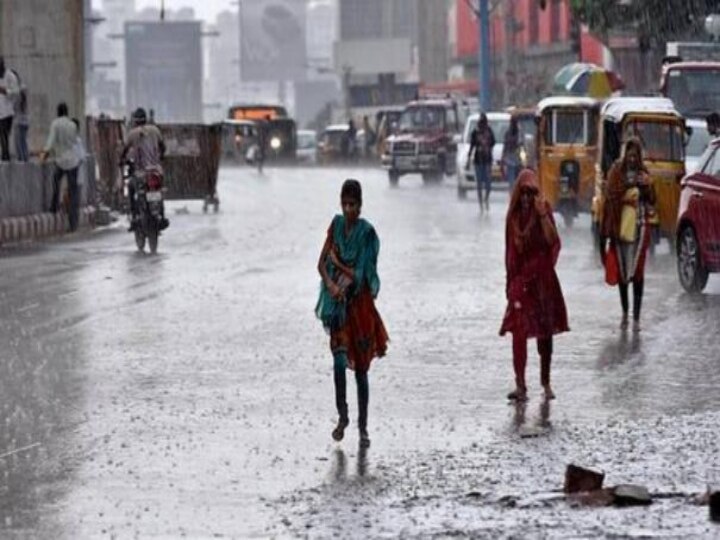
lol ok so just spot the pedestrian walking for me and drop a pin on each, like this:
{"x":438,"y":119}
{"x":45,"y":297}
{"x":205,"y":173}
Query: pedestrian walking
{"x":81,"y":153}
{"x":511,"y":154}
{"x":346,"y":307}
{"x":536,"y":307}
{"x":61,"y":145}
{"x":22,"y":123}
{"x":9,"y":89}
{"x":482,"y":141}
{"x":370,"y":138}
{"x":628,"y":214}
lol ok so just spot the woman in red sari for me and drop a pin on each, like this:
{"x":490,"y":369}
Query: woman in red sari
{"x":346,"y":307}
{"x":536,"y":307}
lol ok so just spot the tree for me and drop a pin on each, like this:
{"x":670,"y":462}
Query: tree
{"x":651,"y":21}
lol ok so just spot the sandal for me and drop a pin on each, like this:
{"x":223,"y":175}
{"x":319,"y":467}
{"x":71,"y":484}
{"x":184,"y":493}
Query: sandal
{"x":339,"y":431}
{"x":518,"y":395}
{"x":364,"y":439}
{"x":549,"y":394}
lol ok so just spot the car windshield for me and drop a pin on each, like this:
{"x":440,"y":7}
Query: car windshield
{"x":661,"y":141}
{"x":306,"y":140}
{"x":420,"y":118}
{"x":695,"y":92}
{"x":499,"y":127}
{"x":699,"y":141}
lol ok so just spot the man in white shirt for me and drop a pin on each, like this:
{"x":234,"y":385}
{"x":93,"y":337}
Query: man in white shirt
{"x":9,"y":88}
{"x":61,"y":144}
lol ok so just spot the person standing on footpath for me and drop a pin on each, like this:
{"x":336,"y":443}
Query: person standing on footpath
{"x":627,"y":222}
{"x":511,"y":154}
{"x":346,"y":306}
{"x":536,"y":307}
{"x":482,"y":141}
{"x":22,"y":123}
{"x":61,"y":145}
{"x":9,"y":88}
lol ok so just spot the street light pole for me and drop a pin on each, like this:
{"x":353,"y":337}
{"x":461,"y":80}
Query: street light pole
{"x":483,"y":14}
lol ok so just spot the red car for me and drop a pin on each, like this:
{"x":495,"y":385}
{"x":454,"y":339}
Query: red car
{"x":698,"y":230}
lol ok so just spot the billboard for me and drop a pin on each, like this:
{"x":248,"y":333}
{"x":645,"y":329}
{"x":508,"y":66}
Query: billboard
{"x":272,"y":40}
{"x":163,"y":63}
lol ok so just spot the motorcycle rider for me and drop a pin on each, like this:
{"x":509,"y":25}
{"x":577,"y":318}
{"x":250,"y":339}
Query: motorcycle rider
{"x":146,"y":147}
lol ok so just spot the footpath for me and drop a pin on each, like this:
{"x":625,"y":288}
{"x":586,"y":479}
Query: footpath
{"x":25,"y":198}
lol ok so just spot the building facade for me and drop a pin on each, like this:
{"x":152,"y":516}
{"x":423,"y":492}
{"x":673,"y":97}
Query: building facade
{"x":387,"y":48}
{"x":528,"y":46}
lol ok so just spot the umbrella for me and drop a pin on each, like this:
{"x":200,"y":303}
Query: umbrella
{"x":587,"y":80}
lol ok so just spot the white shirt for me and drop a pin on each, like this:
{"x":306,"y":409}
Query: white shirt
{"x":7,"y":100}
{"x":61,"y":143}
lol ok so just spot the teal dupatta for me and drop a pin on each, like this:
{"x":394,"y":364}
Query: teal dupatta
{"x":358,"y":250}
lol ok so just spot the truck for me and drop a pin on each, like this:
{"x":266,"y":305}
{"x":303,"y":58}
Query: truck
{"x":691,"y":77}
{"x":426,"y":141}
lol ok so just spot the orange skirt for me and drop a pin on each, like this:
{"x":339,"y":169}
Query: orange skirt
{"x":363,"y":336}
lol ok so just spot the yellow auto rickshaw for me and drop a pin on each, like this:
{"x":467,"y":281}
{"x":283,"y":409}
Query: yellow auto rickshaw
{"x":662,"y":132}
{"x":567,"y":152}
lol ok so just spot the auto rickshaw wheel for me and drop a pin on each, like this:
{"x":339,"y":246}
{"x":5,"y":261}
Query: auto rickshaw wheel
{"x":693,"y":275}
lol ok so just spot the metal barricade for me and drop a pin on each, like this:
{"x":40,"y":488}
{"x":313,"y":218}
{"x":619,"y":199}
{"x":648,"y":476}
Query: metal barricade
{"x":192,"y":162}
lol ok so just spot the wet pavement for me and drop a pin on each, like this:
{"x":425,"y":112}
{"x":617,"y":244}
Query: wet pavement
{"x":190,"y":393}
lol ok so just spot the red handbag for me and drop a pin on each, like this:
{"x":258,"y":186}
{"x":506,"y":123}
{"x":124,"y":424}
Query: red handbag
{"x":612,"y":268}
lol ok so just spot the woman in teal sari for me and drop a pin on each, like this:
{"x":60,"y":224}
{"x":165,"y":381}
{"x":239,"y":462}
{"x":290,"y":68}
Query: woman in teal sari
{"x":346,"y":307}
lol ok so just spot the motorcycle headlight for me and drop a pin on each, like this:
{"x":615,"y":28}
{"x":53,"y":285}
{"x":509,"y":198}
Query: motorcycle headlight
{"x":523,"y":156}
{"x":275,"y":143}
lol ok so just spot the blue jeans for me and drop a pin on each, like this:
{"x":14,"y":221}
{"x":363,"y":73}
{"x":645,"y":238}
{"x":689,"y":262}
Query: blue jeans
{"x":483,"y":179}
{"x":511,"y":172}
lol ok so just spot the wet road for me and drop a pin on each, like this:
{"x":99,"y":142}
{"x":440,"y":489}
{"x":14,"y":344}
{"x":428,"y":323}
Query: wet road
{"x":190,"y":394}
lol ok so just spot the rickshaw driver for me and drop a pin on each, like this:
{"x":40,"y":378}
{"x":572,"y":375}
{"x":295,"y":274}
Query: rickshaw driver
{"x":145,"y":143}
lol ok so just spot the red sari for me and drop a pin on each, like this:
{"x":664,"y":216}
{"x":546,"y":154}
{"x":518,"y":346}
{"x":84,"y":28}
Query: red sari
{"x":536,"y":307}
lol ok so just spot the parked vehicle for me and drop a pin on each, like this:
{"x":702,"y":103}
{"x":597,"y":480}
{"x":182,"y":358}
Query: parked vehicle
{"x":330,"y":145}
{"x":499,"y":123}
{"x":279,"y":131}
{"x":567,"y":152}
{"x":426,"y":142}
{"x":662,"y":132}
{"x":527,"y":124}
{"x":238,"y":136}
{"x":387,"y":122}
{"x":694,"y":87}
{"x":697,"y":144}
{"x":698,"y":224}
{"x":307,"y":146}
{"x":149,"y":205}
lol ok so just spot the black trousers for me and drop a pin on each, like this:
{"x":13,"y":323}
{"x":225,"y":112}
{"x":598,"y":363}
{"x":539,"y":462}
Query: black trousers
{"x":5,"y":128}
{"x":73,"y":191}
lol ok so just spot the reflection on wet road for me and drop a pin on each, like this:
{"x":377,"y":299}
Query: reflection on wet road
{"x":191,"y":393}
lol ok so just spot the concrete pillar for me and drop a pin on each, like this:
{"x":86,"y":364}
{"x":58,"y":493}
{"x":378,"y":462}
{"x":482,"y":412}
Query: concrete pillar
{"x":43,"y":40}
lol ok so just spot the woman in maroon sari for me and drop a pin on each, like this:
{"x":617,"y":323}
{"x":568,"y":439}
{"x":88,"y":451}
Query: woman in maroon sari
{"x":536,"y":308}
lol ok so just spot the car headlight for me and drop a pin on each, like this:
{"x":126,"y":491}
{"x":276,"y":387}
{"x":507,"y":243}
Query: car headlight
{"x":275,"y":143}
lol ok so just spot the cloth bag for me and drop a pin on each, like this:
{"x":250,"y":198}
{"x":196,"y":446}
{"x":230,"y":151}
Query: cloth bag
{"x":629,"y":215}
{"x":612,"y":267}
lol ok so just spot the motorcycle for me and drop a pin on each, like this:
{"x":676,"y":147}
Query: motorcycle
{"x":148,"y":200}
